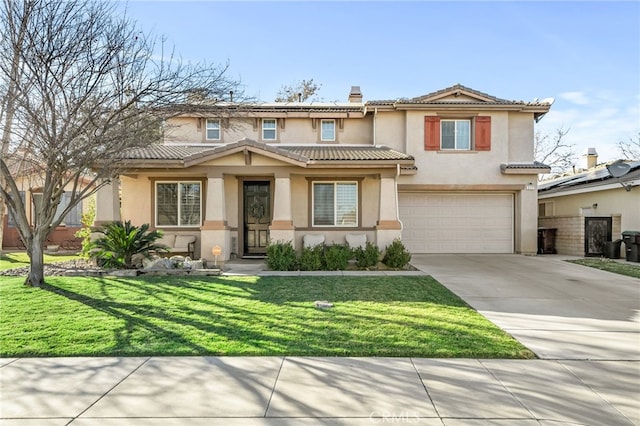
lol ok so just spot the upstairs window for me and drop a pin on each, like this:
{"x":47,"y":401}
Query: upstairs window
{"x":269,"y":129}
{"x":213,"y":130}
{"x":455,"y":134}
{"x":328,"y":130}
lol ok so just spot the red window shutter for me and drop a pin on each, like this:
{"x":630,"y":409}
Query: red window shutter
{"x":483,"y":133}
{"x":431,"y":133}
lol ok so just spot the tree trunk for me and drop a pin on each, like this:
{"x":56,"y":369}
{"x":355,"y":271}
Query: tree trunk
{"x":36,"y":268}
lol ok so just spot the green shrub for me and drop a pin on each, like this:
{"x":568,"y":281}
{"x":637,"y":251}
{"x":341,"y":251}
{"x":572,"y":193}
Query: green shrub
{"x":336,"y":257}
{"x":121,"y":241}
{"x":85,"y":232}
{"x":311,"y":258}
{"x":281,"y":256}
{"x":368,"y":256}
{"x":396,"y":255}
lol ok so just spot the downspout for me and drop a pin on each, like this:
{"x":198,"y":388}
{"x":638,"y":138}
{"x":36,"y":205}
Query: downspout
{"x":398,"y":197}
{"x":375,"y":115}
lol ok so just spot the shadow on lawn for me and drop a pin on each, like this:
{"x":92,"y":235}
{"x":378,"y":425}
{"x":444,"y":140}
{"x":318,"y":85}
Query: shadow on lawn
{"x":276,"y":316}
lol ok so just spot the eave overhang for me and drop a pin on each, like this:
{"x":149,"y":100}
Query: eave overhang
{"x":524,"y":168}
{"x":304,"y":156}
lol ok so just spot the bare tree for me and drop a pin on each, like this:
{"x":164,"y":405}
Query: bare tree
{"x":299,"y":91}
{"x":553,"y":151}
{"x":630,"y":149}
{"x":80,"y":84}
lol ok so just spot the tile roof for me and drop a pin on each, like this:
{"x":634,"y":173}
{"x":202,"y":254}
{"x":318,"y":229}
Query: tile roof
{"x":433,"y":98}
{"x":534,"y":165}
{"x":164,"y":152}
{"x":303,"y":153}
{"x":348,"y":153}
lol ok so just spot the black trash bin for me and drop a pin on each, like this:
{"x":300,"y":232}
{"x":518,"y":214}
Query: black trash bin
{"x":612,"y":249}
{"x":547,"y":240}
{"x":631,"y":245}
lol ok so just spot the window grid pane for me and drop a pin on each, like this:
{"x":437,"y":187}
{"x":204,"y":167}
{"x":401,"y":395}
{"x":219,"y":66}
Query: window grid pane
{"x":189,"y":204}
{"x":167,"y":204}
{"x":269,"y":129}
{"x":11,"y":220}
{"x":323,"y":202}
{"x":213,"y":129}
{"x":347,"y":204}
{"x":448,"y":134}
{"x":463,"y":131}
{"x":328,"y":130}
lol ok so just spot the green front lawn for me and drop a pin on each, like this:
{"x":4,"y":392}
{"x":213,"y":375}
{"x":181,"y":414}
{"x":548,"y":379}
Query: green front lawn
{"x":20,"y":259}
{"x":610,"y":266}
{"x":373,"y":316}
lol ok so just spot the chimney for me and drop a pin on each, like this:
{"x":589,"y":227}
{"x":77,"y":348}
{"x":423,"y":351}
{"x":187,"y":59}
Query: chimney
{"x":590,"y":158}
{"x":355,"y":95}
{"x":196,"y":96}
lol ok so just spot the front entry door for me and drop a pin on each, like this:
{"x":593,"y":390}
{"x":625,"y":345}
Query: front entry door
{"x":597,"y":231}
{"x":257,"y":217}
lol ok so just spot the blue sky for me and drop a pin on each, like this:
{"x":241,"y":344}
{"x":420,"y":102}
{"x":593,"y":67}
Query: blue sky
{"x":585,"y":54}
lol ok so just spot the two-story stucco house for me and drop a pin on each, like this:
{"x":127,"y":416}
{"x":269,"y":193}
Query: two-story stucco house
{"x":448,"y":172}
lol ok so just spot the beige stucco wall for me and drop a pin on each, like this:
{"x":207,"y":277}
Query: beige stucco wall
{"x":137,"y":205}
{"x":520,"y":135}
{"x":610,"y":202}
{"x":512,"y":142}
{"x":295,"y":131}
{"x":463,"y":167}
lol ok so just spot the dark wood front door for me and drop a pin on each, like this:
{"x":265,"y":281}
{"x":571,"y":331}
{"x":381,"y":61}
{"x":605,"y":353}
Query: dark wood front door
{"x":257,"y":217}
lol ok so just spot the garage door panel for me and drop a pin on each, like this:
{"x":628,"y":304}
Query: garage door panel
{"x":457,"y":223}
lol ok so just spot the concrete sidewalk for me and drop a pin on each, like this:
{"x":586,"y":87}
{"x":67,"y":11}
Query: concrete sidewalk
{"x":582,"y":322}
{"x":316,"y":391}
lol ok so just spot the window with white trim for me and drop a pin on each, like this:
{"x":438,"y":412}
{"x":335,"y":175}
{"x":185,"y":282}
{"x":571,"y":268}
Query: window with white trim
{"x":335,"y":204}
{"x":328,"y":130}
{"x":269,"y":129}
{"x":455,"y":134}
{"x":178,"y":203}
{"x":213,"y":130}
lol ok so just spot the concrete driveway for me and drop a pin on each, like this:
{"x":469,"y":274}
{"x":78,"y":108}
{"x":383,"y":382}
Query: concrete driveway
{"x":557,"y":309}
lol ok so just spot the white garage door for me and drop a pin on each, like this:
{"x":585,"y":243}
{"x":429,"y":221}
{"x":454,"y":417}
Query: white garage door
{"x":457,"y":223}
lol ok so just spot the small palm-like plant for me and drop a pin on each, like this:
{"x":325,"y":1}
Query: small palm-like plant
{"x":120,"y":242}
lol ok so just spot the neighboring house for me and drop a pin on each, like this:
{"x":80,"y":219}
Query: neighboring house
{"x":448,"y":172}
{"x":29,"y":182}
{"x":590,"y":207}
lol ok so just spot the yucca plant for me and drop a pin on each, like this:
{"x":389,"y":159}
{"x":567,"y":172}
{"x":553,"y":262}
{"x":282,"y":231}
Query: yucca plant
{"x":120,"y":242}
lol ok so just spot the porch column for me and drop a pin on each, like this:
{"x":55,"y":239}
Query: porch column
{"x":282,"y":228}
{"x":389,"y":226}
{"x":214,"y":231}
{"x":108,"y":203}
